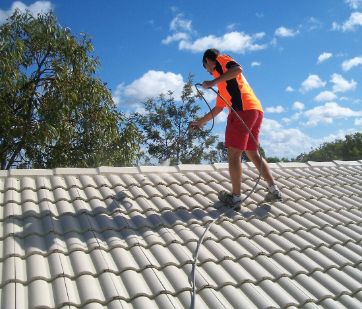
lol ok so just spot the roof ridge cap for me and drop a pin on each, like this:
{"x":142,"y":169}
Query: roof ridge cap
{"x":165,"y":169}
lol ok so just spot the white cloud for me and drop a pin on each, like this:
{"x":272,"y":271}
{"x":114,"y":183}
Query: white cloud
{"x":298,"y":105}
{"x":221,"y":118}
{"x":295,"y":117}
{"x":358,"y":122}
{"x":312,"y":82}
{"x":271,"y":125}
{"x":286,"y":120}
{"x":275,"y":109}
{"x":283,"y":142}
{"x":323,"y":57}
{"x":237,"y":42}
{"x":341,"y":134}
{"x":179,"y":23}
{"x":118,"y":93}
{"x":351,"y":24}
{"x":349,"y":64}
{"x":351,"y":100}
{"x":181,"y":29}
{"x":279,"y":141}
{"x":325,"y":96}
{"x":36,"y":8}
{"x":328,"y":112}
{"x":175,"y":37}
{"x":232,"y":27}
{"x":151,"y":84}
{"x":274,"y":42}
{"x":289,"y":89}
{"x":285,"y":32}
{"x":342,"y":85}
{"x":313,"y":24}
{"x":255,"y":64}
{"x":208,"y":94}
{"x":354,"y":4}
{"x":232,"y":41}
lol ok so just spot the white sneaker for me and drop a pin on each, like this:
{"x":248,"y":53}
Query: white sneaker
{"x":229,"y":199}
{"x":274,"y":196}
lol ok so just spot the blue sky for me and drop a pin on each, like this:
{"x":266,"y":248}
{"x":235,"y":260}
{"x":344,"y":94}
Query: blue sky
{"x":302,"y":58}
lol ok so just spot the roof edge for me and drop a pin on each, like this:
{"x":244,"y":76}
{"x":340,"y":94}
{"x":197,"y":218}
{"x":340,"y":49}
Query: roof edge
{"x":165,"y":169}
{"x":195,"y":167}
{"x":31,"y":172}
{"x":322,"y":164}
{"x":340,"y":162}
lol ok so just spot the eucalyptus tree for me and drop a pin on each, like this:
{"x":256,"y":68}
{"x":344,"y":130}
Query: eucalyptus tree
{"x":54,"y":111}
{"x":165,"y":127}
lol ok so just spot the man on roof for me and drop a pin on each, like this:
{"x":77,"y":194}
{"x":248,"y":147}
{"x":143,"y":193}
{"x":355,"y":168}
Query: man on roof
{"x":233,"y":87}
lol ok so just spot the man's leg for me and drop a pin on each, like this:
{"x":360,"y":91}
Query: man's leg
{"x":260,"y":163}
{"x":257,"y":159}
{"x":234,"y":157}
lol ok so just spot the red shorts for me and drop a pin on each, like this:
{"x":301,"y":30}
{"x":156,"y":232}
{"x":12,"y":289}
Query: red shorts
{"x":237,"y":136}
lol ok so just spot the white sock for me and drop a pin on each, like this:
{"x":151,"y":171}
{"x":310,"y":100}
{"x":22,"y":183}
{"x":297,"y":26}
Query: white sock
{"x":273,"y":188}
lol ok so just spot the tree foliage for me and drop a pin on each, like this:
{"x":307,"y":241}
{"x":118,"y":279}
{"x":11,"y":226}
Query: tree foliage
{"x":165,"y":126}
{"x":219,"y":153}
{"x":54,"y":111}
{"x":348,"y":149}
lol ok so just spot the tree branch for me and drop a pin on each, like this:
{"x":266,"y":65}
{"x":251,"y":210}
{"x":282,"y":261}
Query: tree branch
{"x":15,"y":154}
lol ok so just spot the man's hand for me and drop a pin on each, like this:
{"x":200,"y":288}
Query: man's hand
{"x":195,"y":125}
{"x":208,"y":84}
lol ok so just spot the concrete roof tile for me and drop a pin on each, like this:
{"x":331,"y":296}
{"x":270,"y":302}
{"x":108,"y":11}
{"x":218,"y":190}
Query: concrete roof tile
{"x":348,"y":301}
{"x":117,"y":170}
{"x":349,"y":163}
{"x":30,"y":172}
{"x":158,"y":169}
{"x":126,"y":237}
{"x":194,"y":167}
{"x":321,"y":164}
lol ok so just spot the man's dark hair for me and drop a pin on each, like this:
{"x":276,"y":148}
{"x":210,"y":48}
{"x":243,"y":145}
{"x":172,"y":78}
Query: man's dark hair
{"x":210,"y":54}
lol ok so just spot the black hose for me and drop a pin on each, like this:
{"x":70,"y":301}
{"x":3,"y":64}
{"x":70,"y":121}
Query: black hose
{"x":208,"y":105}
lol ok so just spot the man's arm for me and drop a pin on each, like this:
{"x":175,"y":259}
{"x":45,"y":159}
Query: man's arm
{"x":231,"y":73}
{"x":207,"y":117}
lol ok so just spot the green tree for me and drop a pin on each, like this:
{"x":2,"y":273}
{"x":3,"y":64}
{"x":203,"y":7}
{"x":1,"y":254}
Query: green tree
{"x":165,"y":126}
{"x":54,"y":111}
{"x":348,"y":149}
{"x":219,"y":154}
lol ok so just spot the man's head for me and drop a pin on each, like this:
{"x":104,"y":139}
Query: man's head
{"x":209,"y":59}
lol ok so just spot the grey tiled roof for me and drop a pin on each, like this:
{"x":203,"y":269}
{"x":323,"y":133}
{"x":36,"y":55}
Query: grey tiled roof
{"x":125,"y":238}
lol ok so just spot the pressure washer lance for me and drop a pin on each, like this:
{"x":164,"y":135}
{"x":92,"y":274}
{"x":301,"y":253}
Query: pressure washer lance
{"x":201,"y":240}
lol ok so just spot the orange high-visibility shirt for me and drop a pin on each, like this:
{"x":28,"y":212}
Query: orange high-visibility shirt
{"x":237,"y":92}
